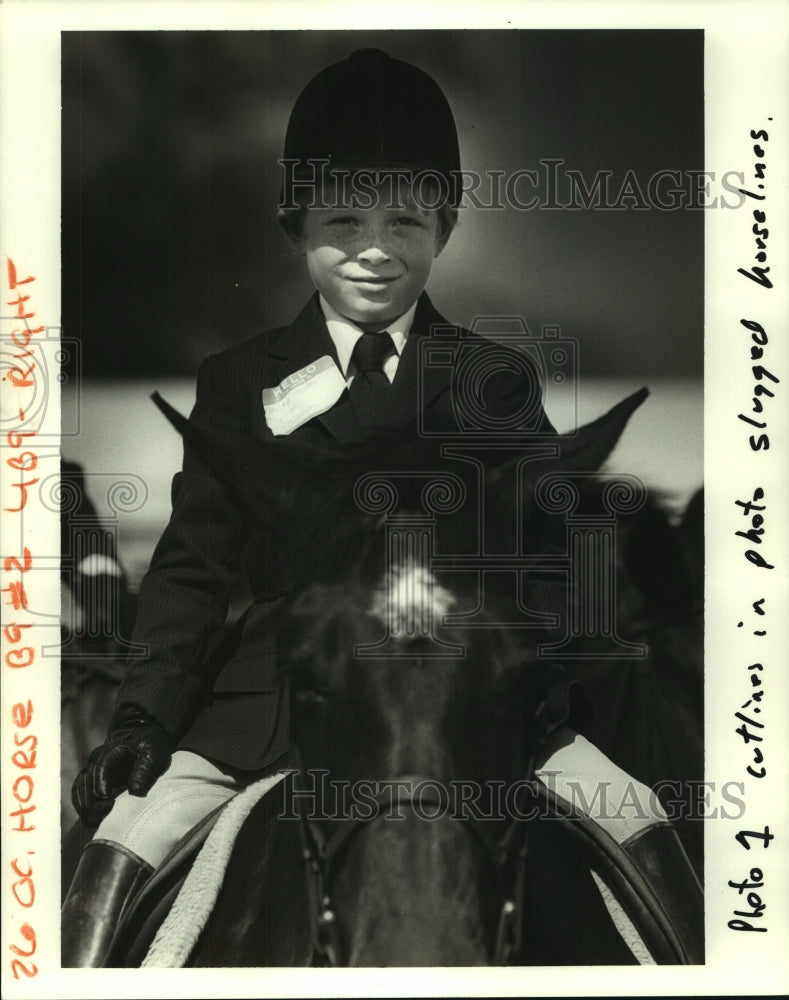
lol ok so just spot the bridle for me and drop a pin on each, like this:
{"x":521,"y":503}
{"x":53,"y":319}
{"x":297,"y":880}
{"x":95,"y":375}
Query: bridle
{"x":323,"y":857}
{"x":506,"y":855}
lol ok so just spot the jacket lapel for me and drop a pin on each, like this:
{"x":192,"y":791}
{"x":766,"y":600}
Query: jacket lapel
{"x":308,"y":339}
{"x":303,"y":342}
{"x":416,"y":385}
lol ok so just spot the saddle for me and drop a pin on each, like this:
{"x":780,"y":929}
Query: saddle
{"x":581,"y":898}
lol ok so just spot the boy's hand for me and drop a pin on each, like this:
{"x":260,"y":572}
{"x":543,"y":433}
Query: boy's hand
{"x":136,"y":752}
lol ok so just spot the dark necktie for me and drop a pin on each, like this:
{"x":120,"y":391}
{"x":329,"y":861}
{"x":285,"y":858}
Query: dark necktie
{"x":370,"y":383}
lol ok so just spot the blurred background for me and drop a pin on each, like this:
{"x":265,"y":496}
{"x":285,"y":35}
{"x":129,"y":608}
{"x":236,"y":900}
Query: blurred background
{"x":170,"y":247}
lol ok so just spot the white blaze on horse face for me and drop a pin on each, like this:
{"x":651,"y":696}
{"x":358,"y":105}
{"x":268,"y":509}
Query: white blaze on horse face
{"x":410,"y":602}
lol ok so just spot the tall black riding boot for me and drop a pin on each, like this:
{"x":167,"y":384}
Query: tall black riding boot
{"x":106,"y":880}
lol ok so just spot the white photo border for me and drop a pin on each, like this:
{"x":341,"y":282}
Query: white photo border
{"x":746,"y":83}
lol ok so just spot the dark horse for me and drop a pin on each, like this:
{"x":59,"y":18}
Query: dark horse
{"x":445,"y":608}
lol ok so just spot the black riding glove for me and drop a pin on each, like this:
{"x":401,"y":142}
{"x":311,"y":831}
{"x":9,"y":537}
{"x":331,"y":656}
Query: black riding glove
{"x":136,"y":752}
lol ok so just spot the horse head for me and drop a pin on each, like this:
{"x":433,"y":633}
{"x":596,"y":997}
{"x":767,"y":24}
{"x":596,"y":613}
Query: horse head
{"x":418,"y":691}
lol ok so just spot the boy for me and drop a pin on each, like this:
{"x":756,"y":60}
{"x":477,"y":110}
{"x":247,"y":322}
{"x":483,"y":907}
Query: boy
{"x":191,"y":729}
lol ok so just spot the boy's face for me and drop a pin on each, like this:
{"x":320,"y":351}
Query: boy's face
{"x":371,"y":264}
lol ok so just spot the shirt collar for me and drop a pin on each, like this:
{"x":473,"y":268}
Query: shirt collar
{"x":344,"y":333}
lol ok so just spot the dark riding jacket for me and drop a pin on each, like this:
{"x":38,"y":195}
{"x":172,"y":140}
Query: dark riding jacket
{"x":229,"y":704}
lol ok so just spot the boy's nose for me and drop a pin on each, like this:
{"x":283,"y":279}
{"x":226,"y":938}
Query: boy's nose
{"x":374,"y":254}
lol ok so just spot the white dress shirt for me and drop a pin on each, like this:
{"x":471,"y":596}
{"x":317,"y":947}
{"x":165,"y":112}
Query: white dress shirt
{"x":344,"y":333}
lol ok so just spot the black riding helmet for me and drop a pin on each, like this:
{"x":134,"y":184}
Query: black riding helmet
{"x":372,"y":111}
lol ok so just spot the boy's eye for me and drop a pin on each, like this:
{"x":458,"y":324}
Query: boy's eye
{"x":407,"y":220}
{"x":343,"y":220}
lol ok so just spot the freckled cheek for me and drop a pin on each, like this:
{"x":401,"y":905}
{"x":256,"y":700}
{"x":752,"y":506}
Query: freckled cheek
{"x":327,"y":254}
{"x":421,"y":264}
{"x":410,"y":248}
{"x":321,"y":262}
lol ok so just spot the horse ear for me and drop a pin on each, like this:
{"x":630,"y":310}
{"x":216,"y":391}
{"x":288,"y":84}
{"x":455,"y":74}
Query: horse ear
{"x":274,"y":481}
{"x":589,"y":448}
{"x":262,"y":479}
{"x":227,"y":456}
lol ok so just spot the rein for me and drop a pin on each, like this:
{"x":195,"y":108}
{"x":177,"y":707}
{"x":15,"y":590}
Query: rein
{"x":507,"y":856}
